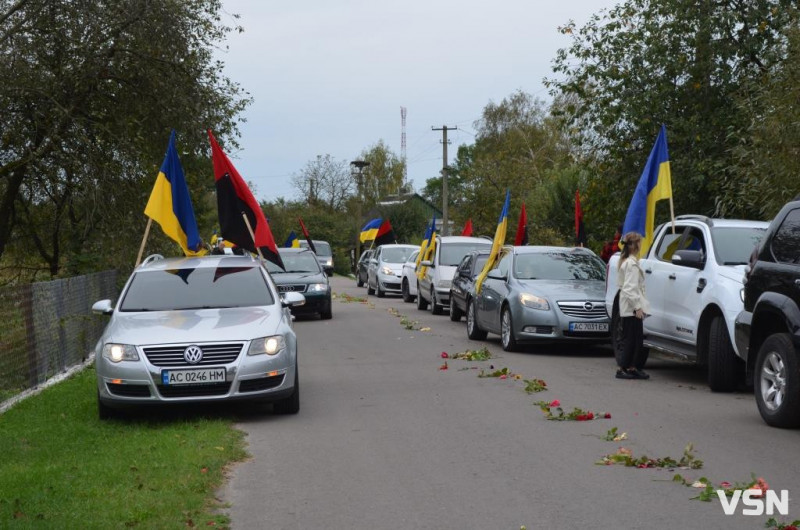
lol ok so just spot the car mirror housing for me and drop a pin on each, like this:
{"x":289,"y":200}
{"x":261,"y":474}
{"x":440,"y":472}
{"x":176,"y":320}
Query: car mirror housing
{"x":292,"y":299}
{"x":103,"y":307}
{"x":426,"y":263}
{"x":689,"y":258}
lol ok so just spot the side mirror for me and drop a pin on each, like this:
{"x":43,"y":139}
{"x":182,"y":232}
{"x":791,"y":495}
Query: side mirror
{"x":103,"y":307}
{"x":426,"y":263}
{"x":373,"y":261}
{"x":292,"y":299}
{"x":689,"y":258}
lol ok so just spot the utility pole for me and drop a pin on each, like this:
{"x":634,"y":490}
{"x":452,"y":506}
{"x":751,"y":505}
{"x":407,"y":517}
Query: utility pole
{"x":445,"y":141}
{"x":358,"y":165}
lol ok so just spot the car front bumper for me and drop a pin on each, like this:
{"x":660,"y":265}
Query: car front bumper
{"x":534,"y":325}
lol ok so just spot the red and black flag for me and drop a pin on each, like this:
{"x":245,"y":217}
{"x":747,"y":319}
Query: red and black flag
{"x":580,"y":231}
{"x":467,"y":228}
{"x":385,"y":234}
{"x":234,"y":199}
{"x":521,"y":239}
{"x":308,"y":237}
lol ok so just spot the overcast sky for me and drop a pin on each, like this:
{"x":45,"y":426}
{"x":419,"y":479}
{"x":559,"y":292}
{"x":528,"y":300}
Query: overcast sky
{"x":330,"y":76}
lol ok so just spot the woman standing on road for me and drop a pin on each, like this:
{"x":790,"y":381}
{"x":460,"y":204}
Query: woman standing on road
{"x":633,"y":308}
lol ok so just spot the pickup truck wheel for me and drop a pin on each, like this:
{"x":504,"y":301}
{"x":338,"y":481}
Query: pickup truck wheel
{"x":725,"y":369}
{"x":436,"y":308}
{"x":422,"y":304}
{"x":455,"y":312}
{"x":777,"y":382}
{"x":473,"y":331}
{"x":407,"y":298}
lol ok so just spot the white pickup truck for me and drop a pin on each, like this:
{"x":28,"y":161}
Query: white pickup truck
{"x":694,"y":280}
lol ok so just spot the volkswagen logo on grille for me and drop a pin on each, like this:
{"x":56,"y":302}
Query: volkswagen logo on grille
{"x":193,"y":354}
{"x":588,"y":306}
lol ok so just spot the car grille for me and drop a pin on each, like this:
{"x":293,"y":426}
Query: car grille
{"x":295,"y":288}
{"x":128,"y":390}
{"x":210,"y":389}
{"x":172,"y":355}
{"x":587,"y":309}
{"x":262,"y":383}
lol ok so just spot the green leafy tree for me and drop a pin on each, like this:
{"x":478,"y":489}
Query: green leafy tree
{"x":384,"y":174}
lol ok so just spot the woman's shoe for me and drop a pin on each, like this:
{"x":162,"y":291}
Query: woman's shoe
{"x":640,"y":374}
{"x":625,"y":374}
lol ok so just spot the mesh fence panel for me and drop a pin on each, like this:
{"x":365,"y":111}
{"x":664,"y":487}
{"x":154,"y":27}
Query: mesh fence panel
{"x":48,"y":327}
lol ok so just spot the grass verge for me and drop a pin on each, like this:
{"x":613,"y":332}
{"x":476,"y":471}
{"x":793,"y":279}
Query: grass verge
{"x":61,"y":467}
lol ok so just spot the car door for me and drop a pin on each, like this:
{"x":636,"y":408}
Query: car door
{"x":683,"y":291}
{"x":458,"y":289}
{"x":493,"y":293}
{"x":657,"y":269}
{"x":428,"y":278}
{"x":372,"y":268}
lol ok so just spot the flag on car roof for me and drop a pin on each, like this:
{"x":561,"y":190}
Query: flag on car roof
{"x":307,"y":236}
{"x":292,"y":241}
{"x":170,"y":205}
{"x":580,"y":231}
{"x":654,"y":185}
{"x":426,"y":239}
{"x":497,"y":243}
{"x":467,"y":232}
{"x":370,"y":230}
{"x":385,"y":234}
{"x":521,"y":237}
{"x":234,"y":202}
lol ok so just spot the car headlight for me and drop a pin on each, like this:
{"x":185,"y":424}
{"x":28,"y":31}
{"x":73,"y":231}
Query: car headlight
{"x":269,"y":345}
{"x":533,"y":301}
{"x":317,"y":287}
{"x":329,"y":262}
{"x":120,"y":352}
{"x":387,"y":270}
{"x":444,"y":284}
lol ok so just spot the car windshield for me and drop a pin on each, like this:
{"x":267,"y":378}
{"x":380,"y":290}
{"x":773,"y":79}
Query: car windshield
{"x":733,"y":245}
{"x":323,"y":248}
{"x":396,"y":254}
{"x":452,"y":253}
{"x":559,"y":266}
{"x":295,"y":262}
{"x":199,"y":288}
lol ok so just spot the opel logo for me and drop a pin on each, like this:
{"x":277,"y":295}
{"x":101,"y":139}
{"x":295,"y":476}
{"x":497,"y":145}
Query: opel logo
{"x":193,"y":354}
{"x":588,"y":306}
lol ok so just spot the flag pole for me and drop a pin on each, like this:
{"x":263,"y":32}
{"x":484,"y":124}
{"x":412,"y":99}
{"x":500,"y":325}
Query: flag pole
{"x":672,"y":212}
{"x":252,"y":234}
{"x":144,"y":240}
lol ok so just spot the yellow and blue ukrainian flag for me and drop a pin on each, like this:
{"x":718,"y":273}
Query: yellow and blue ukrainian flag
{"x":426,"y":239}
{"x":370,"y":230}
{"x":654,"y":185}
{"x":170,"y":205}
{"x":497,"y":243}
{"x":292,"y":241}
{"x":427,"y":248}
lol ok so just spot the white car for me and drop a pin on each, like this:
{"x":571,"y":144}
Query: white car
{"x":385,"y":270}
{"x":408,"y":286}
{"x":693,"y":280}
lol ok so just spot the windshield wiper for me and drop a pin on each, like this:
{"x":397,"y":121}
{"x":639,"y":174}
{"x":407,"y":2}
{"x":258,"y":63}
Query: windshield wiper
{"x":735,"y":262}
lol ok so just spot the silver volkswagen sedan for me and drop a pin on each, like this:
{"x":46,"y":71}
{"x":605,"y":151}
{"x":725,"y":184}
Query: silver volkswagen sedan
{"x":542,"y":294}
{"x":198,"y":329}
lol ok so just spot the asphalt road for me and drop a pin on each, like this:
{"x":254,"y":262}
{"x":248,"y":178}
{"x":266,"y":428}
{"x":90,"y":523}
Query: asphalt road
{"x":385,"y":440}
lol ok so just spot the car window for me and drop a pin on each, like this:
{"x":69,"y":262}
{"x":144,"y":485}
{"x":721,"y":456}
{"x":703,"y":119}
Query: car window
{"x":559,"y":265}
{"x":295,"y":262}
{"x":733,"y":245}
{"x":323,"y":247}
{"x":504,"y":264}
{"x":480,"y":261}
{"x":413,"y":256}
{"x":464,"y":266}
{"x":669,"y":243}
{"x":786,"y":242}
{"x":452,"y":253}
{"x":396,"y":254}
{"x":198,"y":288}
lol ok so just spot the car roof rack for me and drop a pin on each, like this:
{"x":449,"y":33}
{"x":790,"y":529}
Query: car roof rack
{"x":703,"y":218}
{"x":151,"y":258}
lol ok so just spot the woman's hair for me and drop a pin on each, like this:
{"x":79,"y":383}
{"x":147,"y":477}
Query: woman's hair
{"x":631,"y":239}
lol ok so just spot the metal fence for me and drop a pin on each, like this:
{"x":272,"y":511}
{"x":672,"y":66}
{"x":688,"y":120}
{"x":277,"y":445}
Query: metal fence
{"x":47,"y":327}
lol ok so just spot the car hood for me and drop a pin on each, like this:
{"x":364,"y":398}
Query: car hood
{"x":565,"y":289}
{"x":733,"y":272}
{"x":282,"y":278}
{"x":203,"y":325}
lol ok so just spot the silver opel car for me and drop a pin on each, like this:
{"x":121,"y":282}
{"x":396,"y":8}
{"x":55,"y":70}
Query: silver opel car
{"x":198,"y":329}
{"x":537,"y":294}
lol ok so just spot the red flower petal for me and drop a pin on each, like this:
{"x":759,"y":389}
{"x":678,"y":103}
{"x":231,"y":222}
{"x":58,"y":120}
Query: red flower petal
{"x":444,"y":355}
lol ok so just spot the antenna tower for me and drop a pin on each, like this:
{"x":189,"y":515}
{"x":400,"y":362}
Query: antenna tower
{"x":403,"y":144}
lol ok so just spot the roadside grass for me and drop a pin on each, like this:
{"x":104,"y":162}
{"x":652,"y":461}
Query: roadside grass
{"x":61,"y":467}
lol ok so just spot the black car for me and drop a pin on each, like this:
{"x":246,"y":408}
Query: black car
{"x":362,"y":267}
{"x":768,"y":329}
{"x":461,"y":290}
{"x":304,"y":275}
